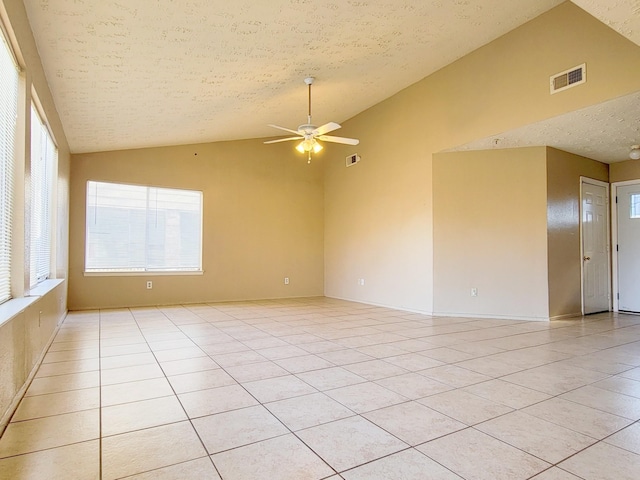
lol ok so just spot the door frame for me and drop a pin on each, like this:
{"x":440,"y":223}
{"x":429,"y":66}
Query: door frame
{"x":593,"y":181}
{"x":614,"y":236}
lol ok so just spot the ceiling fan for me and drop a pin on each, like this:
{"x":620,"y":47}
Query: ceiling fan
{"x":310,"y":134}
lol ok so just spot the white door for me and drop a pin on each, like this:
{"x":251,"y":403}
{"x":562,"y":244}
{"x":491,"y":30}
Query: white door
{"x":628,"y":215}
{"x":595,"y":259}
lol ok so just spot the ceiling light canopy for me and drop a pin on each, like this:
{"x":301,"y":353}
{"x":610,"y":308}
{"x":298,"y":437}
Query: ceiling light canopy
{"x":634,"y":154}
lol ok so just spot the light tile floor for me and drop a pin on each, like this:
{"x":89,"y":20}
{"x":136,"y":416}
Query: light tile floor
{"x":311,"y":389}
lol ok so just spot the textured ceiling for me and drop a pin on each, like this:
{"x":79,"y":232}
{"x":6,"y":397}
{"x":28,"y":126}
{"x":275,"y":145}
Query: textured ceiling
{"x":602,"y":132}
{"x":157,"y":72}
{"x":621,"y":15}
{"x":162,"y":72}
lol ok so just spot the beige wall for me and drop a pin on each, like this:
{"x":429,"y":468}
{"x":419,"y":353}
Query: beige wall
{"x":23,"y":340}
{"x":624,"y":171}
{"x":505,"y":255}
{"x":263,"y":220}
{"x":505,"y":84}
{"x":25,"y":332}
{"x":563,"y":227}
{"x":378,"y":213}
{"x":489,"y":233}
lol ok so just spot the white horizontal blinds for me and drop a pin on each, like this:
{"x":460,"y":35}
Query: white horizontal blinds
{"x":43,"y":157}
{"x":135,"y":228}
{"x":174,"y":223}
{"x":8,"y":117}
{"x":116,"y":216}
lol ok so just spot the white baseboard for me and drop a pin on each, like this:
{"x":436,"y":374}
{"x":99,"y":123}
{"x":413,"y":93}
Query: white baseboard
{"x":491,"y":316}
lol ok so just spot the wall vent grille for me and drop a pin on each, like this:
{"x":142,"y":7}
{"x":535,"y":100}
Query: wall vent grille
{"x":568,"y":79}
{"x":352,"y":159}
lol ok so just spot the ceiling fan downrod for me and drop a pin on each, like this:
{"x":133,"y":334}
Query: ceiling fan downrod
{"x":309,"y":82}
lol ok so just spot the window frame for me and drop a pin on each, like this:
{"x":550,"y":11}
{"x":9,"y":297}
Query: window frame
{"x":42,"y":251}
{"x":105,"y":272}
{"x":8,"y":204}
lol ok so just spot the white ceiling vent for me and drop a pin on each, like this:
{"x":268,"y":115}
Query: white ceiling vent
{"x":569,"y":78}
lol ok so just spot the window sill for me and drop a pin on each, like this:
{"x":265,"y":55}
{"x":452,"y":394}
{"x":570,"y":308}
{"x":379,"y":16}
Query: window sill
{"x":143,"y":274}
{"x":14,"y":307}
{"x":44,"y":287}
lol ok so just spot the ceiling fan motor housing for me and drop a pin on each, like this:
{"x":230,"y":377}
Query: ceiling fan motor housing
{"x":306,"y":129}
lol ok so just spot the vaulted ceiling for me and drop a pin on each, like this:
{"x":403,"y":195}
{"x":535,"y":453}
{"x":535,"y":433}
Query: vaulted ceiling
{"x":160,"y":72}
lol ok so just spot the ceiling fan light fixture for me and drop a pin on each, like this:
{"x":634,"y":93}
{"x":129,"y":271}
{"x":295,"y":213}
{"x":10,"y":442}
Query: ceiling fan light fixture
{"x":634,"y":154}
{"x":307,"y":133}
{"x":309,"y":145}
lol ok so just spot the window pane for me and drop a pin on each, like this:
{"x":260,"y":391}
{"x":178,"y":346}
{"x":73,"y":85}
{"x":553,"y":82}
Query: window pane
{"x":173,"y":217}
{"x":43,"y":158}
{"x":635,"y":205}
{"x":8,"y":116}
{"x":135,"y":228}
{"x":115,"y":227}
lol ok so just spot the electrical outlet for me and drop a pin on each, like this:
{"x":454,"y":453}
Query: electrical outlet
{"x":149,"y":285}
{"x":286,"y":280}
{"x":474,"y":292}
{"x":361,"y":282}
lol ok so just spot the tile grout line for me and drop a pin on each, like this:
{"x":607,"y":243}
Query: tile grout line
{"x":355,"y":414}
{"x":291,"y":432}
{"x":100,"y":391}
{"x":266,"y":332}
{"x":175,"y":394}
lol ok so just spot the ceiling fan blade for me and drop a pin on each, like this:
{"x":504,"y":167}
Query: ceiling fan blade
{"x":326,"y":128}
{"x":283,"y":139}
{"x":285,"y":129}
{"x":346,"y":141}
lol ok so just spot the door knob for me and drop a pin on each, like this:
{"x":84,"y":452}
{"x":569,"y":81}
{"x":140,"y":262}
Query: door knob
{"x":587,"y":258}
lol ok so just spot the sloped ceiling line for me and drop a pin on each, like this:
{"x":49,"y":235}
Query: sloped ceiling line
{"x":159,"y":72}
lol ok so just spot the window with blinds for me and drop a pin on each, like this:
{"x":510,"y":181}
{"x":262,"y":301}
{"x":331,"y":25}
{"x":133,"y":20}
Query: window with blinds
{"x":44,"y":156}
{"x":8,"y":117}
{"x":131,"y":228}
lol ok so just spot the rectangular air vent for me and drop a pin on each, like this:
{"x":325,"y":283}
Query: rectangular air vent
{"x":569,"y":78}
{"x":352,"y":159}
